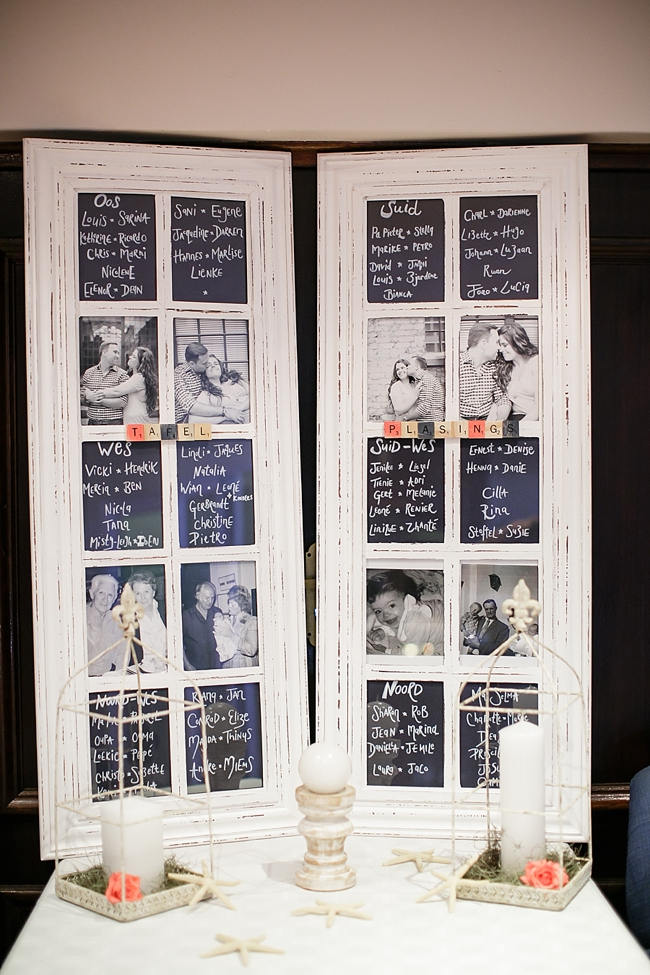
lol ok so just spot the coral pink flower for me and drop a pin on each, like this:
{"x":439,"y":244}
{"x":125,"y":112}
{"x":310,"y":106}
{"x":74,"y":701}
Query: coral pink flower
{"x":544,"y":873}
{"x":131,"y":888}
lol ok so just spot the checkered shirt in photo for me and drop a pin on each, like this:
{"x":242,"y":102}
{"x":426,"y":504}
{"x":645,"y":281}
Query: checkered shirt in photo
{"x":93,"y":380}
{"x":479,"y":389}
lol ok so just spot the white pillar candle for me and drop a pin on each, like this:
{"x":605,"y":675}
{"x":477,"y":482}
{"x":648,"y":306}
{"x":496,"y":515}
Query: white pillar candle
{"x":521,"y":782}
{"x":132,"y":839}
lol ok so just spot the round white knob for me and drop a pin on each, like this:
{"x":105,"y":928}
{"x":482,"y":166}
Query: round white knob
{"x":324,"y":768}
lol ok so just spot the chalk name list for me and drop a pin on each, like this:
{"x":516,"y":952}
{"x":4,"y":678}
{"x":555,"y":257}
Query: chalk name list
{"x":117,"y":247}
{"x":498,"y":248}
{"x":233,"y":737}
{"x":406,"y":490}
{"x":122,"y":500}
{"x":208,"y":250}
{"x":479,"y":739}
{"x":148,"y":741}
{"x":215,"y":493}
{"x":406,"y":250}
{"x":405,"y":733}
{"x":500,"y":491}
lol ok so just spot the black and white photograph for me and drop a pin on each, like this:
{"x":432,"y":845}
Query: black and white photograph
{"x":499,"y":367}
{"x":219,"y":615}
{"x":404,"y":612}
{"x":406,"y":369}
{"x":104,"y":636}
{"x":212,"y":373}
{"x":484,"y":587}
{"x":119,"y":370}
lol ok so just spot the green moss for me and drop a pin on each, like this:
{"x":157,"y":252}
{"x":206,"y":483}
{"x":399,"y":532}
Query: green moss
{"x":95,"y":878}
{"x":172,"y":865}
{"x":488,"y":866}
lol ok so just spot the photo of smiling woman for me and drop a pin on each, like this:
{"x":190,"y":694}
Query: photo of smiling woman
{"x":212,"y":375}
{"x":499,"y":367}
{"x":118,"y":370}
{"x":517,"y":366}
{"x":404,"y":612}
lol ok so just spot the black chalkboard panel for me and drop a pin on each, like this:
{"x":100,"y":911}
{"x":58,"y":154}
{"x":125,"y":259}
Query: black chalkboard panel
{"x":104,"y":760}
{"x":499,"y":490}
{"x":208,"y":250}
{"x":215,"y":493}
{"x":405,"y":733}
{"x":117,"y":247}
{"x":475,"y":733}
{"x":498,"y":248}
{"x":121,"y":495}
{"x":406,"y":490}
{"x":234,"y":738}
{"x":406,"y":250}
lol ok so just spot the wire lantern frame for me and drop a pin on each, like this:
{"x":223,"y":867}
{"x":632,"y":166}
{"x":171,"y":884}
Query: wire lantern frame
{"x":561,"y":709}
{"x":83,"y":809}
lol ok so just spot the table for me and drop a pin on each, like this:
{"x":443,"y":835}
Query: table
{"x":587,"y":938}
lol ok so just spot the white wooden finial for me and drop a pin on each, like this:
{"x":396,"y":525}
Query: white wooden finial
{"x":521,"y":609}
{"x":128,"y":613}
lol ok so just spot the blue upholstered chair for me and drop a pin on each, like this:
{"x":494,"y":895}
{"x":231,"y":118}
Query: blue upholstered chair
{"x":637,"y":875}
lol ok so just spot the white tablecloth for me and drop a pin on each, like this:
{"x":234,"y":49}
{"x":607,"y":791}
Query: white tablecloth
{"x":587,"y":938}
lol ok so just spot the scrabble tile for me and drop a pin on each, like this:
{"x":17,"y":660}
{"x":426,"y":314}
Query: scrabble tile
{"x":493,"y":428}
{"x":152,"y":431}
{"x":185,"y":431}
{"x":426,"y":430}
{"x":460,"y":429}
{"x":392,"y":428}
{"x":511,"y":428}
{"x":410,"y":428}
{"x":475,"y":428}
{"x":135,"y":431}
{"x":168,"y":431}
{"x":202,"y":431}
{"x":442,"y":428}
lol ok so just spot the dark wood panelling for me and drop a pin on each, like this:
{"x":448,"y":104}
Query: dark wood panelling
{"x":22,"y":874}
{"x":18,"y":770}
{"x":620,"y":312}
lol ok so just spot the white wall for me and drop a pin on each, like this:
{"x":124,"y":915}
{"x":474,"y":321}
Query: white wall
{"x":327,"y":69}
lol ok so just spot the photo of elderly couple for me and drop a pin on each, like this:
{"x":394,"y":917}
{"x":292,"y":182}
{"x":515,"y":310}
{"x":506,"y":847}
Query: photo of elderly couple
{"x":498,"y":368}
{"x":105,"y":643}
{"x":119,"y":371}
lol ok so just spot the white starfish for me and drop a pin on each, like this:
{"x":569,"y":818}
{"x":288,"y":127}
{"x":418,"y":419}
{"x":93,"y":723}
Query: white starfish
{"x":331,"y":910}
{"x":243,"y":946}
{"x":418,"y":857}
{"x":208,"y":885}
{"x":449,"y":881}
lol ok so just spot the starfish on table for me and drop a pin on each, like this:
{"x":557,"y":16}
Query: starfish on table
{"x":208,"y":886}
{"x":243,"y":946}
{"x":331,"y":910}
{"x":418,"y":857}
{"x":449,"y":881}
